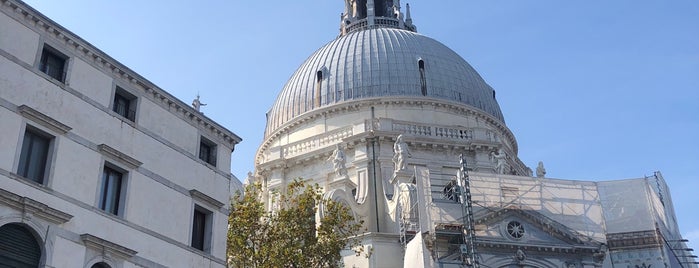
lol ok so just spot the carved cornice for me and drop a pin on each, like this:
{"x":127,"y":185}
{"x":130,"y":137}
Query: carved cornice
{"x":202,"y":197}
{"x":30,"y":206}
{"x":322,"y":152}
{"x":86,"y":51}
{"x":104,"y":246}
{"x":634,"y":240}
{"x":112,"y":153}
{"x":42,"y":119}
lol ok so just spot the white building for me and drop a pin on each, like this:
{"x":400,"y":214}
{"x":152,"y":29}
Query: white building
{"x":98,"y":166}
{"x":379,"y":118}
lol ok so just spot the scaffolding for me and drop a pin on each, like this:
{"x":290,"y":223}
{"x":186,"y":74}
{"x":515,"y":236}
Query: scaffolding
{"x":468,"y":249}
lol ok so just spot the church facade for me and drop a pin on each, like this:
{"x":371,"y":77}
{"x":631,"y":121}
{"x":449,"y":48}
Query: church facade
{"x":98,"y":166}
{"x":406,"y":133}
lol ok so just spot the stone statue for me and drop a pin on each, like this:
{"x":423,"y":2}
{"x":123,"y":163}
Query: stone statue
{"x":500,"y":161}
{"x":520,"y":257}
{"x":197,"y":104}
{"x":540,"y":170}
{"x":396,"y":12}
{"x":400,"y":153}
{"x":601,"y":254}
{"x":250,"y":179}
{"x":339,"y":160}
{"x":351,"y":7}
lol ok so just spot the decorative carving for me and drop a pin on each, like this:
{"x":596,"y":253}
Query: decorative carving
{"x":500,"y":161}
{"x":520,"y":257}
{"x":515,"y":229}
{"x":540,"y":170}
{"x":250,"y":179}
{"x":339,"y":160}
{"x":400,"y":154}
{"x":197,"y":104}
{"x":601,"y":254}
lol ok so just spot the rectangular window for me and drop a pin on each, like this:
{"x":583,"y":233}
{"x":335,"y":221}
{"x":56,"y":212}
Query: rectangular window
{"x":207,"y":151}
{"x":33,"y":158}
{"x":110,"y":193}
{"x":124,"y":104}
{"x":201,"y":229}
{"x":53,"y":63}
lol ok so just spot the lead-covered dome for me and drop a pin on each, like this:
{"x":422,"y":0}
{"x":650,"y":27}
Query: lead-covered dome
{"x":378,"y":63}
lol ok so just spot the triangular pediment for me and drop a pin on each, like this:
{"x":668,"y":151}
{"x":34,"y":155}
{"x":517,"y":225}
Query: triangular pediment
{"x":516,"y":226}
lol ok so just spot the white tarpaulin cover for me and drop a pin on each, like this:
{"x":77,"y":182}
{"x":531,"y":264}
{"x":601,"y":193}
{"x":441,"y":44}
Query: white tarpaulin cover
{"x":416,"y":254}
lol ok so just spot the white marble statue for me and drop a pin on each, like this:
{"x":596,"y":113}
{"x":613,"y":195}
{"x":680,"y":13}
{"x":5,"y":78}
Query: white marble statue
{"x":339,"y":160}
{"x":400,"y":153}
{"x":540,"y":170}
{"x":197,"y":104}
{"x":500,"y":160}
{"x":250,"y":179}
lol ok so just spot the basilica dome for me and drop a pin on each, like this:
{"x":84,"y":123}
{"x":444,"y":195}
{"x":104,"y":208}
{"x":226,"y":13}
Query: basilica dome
{"x":379,"y":63}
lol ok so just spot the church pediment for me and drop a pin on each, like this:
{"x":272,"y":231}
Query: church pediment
{"x":525,"y":227}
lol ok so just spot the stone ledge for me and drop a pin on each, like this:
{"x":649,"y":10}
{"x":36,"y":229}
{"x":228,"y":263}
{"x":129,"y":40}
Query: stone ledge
{"x":105,"y":246}
{"x":119,"y":156}
{"x":42,"y":119}
{"x":33,"y":207}
{"x":205,"y":198}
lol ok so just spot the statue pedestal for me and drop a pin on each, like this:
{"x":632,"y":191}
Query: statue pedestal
{"x":342,"y":182}
{"x":402,"y":176}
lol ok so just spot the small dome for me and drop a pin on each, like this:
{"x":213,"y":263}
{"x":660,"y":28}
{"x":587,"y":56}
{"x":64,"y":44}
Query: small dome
{"x":381,"y":62}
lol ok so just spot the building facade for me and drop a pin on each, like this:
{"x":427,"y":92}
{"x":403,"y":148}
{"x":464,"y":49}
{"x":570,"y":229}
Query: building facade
{"x":393,"y":124}
{"x":98,"y":166}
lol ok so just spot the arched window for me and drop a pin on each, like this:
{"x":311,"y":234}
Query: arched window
{"x":100,"y":265}
{"x":423,"y":82}
{"x":18,"y":247}
{"x":319,"y":83}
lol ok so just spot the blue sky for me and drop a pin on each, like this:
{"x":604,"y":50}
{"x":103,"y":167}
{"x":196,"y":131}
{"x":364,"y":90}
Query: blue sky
{"x":598,"y":90}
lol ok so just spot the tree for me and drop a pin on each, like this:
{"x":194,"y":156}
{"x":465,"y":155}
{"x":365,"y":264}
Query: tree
{"x":289,"y":236}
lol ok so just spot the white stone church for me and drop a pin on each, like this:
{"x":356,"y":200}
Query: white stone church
{"x":380,"y":116}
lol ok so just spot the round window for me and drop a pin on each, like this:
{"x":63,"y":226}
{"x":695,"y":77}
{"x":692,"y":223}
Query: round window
{"x":515,"y":229}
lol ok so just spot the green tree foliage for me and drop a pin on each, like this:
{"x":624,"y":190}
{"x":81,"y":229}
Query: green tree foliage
{"x":289,"y":236}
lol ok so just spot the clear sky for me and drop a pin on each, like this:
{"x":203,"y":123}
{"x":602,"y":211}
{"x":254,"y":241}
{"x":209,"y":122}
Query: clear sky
{"x":597,"y":89}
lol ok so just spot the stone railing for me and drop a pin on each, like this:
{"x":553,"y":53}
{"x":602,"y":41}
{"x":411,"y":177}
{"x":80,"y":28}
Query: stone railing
{"x":318,"y":141}
{"x":379,"y":22}
{"x":438,"y":131}
{"x":413,"y":129}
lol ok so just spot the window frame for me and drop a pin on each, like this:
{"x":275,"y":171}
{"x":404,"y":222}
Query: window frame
{"x":205,"y":230}
{"x":131,"y":100}
{"x":46,"y":51}
{"x":212,"y":155}
{"x":122,"y":190}
{"x":48,"y":158}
